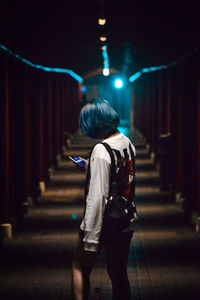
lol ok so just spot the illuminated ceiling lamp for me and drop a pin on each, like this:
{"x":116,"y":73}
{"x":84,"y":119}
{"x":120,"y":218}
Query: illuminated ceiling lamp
{"x":118,"y":83}
{"x":106,"y":71}
{"x":102,"y":21}
{"x":103,"y":38}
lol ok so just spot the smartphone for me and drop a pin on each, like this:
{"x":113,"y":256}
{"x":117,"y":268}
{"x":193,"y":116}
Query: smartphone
{"x":77,"y":160}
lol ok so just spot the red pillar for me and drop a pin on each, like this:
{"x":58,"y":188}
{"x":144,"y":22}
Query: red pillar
{"x":180,"y":137}
{"x":154,"y":112}
{"x":41,"y":133}
{"x":5,"y":198}
{"x":162,"y":102}
{"x":149,"y":110}
{"x":169,"y":99}
{"x":198,"y":137}
{"x":28,"y":130}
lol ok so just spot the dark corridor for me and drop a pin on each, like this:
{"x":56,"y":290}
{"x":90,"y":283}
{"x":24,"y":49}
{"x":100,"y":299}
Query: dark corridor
{"x":164,"y":257}
{"x":54,"y":57}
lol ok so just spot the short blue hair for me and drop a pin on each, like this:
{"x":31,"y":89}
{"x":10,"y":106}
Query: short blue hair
{"x":98,"y":119}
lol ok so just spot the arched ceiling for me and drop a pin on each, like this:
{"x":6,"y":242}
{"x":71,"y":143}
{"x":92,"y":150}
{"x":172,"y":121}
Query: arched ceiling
{"x":66,"y":33}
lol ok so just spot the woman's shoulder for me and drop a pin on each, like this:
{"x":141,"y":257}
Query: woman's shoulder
{"x":120,"y":142}
{"x":99,"y":151}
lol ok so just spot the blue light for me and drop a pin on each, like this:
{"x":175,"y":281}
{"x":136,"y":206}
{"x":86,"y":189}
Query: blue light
{"x":105,"y":61}
{"x":118,"y":83}
{"x":150,"y":69}
{"x":47,"y":69}
{"x":135,"y":76}
{"x":74,"y":216}
{"x":84,"y":89}
{"x":123,"y":130}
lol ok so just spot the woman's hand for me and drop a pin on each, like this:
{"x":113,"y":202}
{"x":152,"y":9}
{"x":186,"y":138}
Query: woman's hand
{"x":79,"y":167}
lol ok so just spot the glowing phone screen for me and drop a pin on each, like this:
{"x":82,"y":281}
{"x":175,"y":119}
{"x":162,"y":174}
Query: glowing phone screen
{"x":79,"y":161}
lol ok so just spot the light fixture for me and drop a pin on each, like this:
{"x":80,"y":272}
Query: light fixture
{"x":106,"y":71}
{"x":118,"y":83}
{"x":103,"y":38}
{"x":102,"y":21}
{"x":104,"y":47}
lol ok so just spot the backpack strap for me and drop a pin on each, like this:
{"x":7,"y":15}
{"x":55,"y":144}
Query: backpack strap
{"x":118,"y":154}
{"x":110,"y":151}
{"x":112,"y":157}
{"x":113,"y":165}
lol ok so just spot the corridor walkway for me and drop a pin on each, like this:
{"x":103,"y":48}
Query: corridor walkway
{"x":164,"y":262}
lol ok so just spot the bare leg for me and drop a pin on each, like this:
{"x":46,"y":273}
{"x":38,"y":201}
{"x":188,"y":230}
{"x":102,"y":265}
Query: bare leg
{"x":81,"y":268}
{"x":116,"y":260}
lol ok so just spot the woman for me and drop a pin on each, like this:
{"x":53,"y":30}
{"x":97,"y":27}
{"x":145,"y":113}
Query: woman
{"x":99,"y":120}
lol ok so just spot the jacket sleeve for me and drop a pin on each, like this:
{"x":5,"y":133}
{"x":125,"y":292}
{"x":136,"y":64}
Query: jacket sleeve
{"x":95,"y":202}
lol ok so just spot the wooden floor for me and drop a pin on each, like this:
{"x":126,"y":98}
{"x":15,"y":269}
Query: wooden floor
{"x":164,"y":261}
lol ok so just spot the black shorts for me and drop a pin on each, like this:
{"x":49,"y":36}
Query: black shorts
{"x":108,"y":239}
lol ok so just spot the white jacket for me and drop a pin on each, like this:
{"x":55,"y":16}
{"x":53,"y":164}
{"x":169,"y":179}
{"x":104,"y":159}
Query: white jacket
{"x":98,"y":190}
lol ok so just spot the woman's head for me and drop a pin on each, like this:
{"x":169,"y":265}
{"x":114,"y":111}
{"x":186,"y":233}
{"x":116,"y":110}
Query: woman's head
{"x":98,"y":119}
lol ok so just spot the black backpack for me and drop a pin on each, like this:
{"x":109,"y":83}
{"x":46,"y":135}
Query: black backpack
{"x":120,"y":210}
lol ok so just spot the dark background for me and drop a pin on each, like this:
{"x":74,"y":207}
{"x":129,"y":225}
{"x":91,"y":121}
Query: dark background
{"x":66,"y":33}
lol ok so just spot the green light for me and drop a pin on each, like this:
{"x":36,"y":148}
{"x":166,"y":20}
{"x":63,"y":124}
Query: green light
{"x":118,"y":83}
{"x":74,"y":216}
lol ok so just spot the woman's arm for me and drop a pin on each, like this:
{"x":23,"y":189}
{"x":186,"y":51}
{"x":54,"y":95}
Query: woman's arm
{"x":95,"y":202}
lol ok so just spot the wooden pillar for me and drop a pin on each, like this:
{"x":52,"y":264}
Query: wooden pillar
{"x":35,"y":101}
{"x":17,"y":121}
{"x":50,"y":120}
{"x":41,"y":113}
{"x":47,"y":123}
{"x":162,"y":102}
{"x":28,"y":130}
{"x":145,"y":106}
{"x":154,"y":112}
{"x":149,"y":110}
{"x":173,"y":100}
{"x":54,"y":127}
{"x":169,"y":100}
{"x":73,"y":101}
{"x":198,"y":137}
{"x":5,"y":199}
{"x":190,"y":152}
{"x":180,"y":149}
{"x":160,"y":107}
{"x":58,"y":116}
{"x":63,"y":109}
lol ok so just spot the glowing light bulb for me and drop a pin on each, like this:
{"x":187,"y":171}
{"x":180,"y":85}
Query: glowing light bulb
{"x":118,"y":83}
{"x":103,"y":38}
{"x":106,"y":72}
{"x":102,"y":21}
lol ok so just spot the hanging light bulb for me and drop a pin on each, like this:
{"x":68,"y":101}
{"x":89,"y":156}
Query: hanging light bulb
{"x":106,"y":71}
{"x":103,"y":38}
{"x":102,"y":21}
